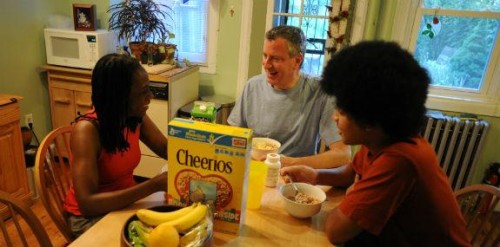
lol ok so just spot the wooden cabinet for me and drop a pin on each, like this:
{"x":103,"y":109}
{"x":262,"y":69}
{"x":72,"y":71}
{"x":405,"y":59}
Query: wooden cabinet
{"x":70,"y":93}
{"x":13,"y":177}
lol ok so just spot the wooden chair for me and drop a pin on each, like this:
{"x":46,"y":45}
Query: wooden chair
{"x":477,"y":203}
{"x":21,"y":225}
{"x":53,"y":175}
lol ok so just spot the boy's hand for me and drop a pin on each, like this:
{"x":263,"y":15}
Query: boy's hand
{"x":300,"y":173}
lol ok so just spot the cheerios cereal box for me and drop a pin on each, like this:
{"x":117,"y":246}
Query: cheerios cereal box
{"x":209,"y":162}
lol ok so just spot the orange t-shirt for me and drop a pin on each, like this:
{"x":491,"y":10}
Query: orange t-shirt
{"x":115,"y":170}
{"x":403,"y":190}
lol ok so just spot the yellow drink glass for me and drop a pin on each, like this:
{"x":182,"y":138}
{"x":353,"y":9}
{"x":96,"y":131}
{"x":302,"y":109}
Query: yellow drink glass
{"x":256,"y":181}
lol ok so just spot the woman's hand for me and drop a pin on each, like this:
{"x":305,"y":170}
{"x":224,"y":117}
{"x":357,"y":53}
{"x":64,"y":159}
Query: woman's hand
{"x":300,"y":173}
{"x":160,"y":181}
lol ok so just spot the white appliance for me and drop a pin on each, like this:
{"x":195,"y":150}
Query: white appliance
{"x":151,"y":165}
{"x":172,"y":90}
{"x":79,"y":49}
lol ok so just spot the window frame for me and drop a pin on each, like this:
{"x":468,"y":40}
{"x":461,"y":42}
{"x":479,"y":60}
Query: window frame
{"x":213,"y":36}
{"x":485,"y":101}
{"x":209,"y":67}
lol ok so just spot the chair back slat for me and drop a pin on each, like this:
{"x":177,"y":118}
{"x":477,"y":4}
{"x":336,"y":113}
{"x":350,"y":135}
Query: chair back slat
{"x":25,"y":225}
{"x":478,"y":203}
{"x":55,"y":172}
{"x":15,"y":219}
{"x":53,"y":175}
{"x":65,"y":157}
{"x":7,"y":237}
{"x":493,"y":232}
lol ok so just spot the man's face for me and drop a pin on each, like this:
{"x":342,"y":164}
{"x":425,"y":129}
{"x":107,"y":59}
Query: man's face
{"x":281,"y":68}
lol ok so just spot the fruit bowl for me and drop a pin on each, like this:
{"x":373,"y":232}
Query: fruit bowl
{"x":199,"y":235}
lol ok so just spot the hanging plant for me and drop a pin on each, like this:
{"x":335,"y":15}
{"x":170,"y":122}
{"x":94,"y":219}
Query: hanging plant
{"x":432,"y":28}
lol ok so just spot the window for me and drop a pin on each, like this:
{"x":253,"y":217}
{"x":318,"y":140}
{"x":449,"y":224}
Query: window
{"x":458,"y":43}
{"x":312,"y":17}
{"x":195,"y":28}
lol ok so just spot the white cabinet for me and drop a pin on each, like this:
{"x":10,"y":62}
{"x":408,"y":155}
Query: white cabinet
{"x":182,"y":88}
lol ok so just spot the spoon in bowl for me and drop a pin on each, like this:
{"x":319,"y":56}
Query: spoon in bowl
{"x":294,"y":186}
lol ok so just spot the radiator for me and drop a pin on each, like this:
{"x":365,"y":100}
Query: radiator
{"x":457,"y":143}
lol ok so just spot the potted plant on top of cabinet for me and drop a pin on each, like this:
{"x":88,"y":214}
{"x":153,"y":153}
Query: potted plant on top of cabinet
{"x":140,"y":23}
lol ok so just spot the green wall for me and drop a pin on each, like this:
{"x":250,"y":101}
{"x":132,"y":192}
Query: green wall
{"x":223,"y":82}
{"x":257,"y":37}
{"x":22,"y":51}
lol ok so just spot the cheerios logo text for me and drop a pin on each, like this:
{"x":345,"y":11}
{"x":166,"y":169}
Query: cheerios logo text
{"x":186,"y":159}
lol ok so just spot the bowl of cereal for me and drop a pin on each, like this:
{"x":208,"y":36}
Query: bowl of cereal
{"x":304,"y":204}
{"x":261,"y":146}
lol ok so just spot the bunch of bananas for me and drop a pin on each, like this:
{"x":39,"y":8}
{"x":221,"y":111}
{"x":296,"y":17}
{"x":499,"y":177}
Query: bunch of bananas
{"x":184,"y":227}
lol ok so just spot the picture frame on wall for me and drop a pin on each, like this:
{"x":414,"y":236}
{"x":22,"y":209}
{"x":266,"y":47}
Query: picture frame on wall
{"x":84,"y":16}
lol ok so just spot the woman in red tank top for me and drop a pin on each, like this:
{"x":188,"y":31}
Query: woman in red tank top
{"x":105,"y":143}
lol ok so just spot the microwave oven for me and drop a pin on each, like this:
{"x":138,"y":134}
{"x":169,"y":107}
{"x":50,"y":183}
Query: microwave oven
{"x":79,"y":49}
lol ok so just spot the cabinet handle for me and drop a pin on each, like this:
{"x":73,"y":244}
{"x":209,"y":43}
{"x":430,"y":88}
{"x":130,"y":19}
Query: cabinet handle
{"x":85,"y":104}
{"x":70,"y":78}
{"x":62,"y":101}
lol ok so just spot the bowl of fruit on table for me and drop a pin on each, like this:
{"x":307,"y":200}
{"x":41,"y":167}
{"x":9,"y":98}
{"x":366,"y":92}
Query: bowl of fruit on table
{"x":169,"y":226}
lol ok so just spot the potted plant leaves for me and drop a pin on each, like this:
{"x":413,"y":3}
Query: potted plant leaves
{"x":140,"y":23}
{"x":167,"y":50}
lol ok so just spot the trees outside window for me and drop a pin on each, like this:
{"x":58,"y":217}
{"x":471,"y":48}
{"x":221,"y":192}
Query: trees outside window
{"x":459,"y":44}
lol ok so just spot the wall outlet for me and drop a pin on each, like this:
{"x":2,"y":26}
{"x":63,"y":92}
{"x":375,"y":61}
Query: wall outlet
{"x":28,"y":119}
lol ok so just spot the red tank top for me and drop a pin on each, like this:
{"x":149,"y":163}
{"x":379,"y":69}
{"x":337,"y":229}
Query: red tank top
{"x":115,"y":170}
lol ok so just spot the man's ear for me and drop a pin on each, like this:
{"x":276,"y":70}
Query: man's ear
{"x":299,"y":59}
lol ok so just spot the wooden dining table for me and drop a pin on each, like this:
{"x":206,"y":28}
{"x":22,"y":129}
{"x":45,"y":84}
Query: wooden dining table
{"x":270,"y":225}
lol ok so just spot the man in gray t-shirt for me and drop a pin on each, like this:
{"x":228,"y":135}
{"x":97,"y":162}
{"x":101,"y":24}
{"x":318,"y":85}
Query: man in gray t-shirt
{"x":288,"y":106}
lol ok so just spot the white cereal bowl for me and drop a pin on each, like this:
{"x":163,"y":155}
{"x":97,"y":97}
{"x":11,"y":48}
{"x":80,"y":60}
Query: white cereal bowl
{"x":260,"y":154}
{"x":300,"y":210}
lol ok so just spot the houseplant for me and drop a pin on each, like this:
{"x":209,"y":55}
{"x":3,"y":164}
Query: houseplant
{"x":140,"y":23}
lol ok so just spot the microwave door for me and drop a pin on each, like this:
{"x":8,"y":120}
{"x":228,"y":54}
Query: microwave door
{"x":65,"y":47}
{"x":65,"y":50}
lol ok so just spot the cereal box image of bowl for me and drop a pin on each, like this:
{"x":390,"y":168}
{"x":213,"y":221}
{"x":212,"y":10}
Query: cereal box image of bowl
{"x":208,"y":162}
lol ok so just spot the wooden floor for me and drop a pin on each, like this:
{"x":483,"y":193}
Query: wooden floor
{"x":55,"y":236}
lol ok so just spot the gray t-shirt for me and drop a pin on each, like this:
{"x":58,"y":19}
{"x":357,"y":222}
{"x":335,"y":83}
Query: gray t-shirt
{"x":297,"y":117}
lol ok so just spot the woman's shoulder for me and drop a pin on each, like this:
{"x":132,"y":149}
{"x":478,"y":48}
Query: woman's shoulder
{"x":85,"y":139}
{"x":85,"y":127}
